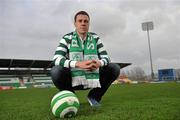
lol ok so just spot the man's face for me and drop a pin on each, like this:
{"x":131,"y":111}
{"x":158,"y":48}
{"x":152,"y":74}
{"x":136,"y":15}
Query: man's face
{"x":82,"y":24}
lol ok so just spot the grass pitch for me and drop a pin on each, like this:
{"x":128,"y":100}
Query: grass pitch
{"x":121,"y":102}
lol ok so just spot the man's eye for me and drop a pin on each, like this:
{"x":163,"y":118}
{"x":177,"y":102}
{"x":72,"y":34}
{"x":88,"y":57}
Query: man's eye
{"x":86,"y":21}
{"x":80,"y":21}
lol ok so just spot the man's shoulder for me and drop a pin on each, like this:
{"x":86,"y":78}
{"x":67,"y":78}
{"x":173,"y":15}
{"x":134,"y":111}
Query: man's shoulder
{"x":94,"y":35}
{"x":68,"y":35}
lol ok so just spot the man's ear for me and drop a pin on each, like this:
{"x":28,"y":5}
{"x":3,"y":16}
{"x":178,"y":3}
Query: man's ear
{"x":74,"y":23}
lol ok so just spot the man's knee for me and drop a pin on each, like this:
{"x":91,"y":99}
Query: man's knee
{"x":56,"y":71}
{"x":115,"y":69}
{"x":61,"y":78}
{"x":112,"y":71}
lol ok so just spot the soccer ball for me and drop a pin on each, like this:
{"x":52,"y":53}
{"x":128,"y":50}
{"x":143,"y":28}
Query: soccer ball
{"x":65,"y":104}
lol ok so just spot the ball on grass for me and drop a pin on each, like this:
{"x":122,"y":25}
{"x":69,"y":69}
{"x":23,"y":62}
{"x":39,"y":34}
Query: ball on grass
{"x":65,"y":104}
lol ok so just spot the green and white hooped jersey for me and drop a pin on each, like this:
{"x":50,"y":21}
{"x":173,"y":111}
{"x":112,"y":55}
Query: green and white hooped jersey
{"x":62,"y":58}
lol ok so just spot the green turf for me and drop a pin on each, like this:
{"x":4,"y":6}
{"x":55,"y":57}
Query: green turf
{"x":121,"y":102}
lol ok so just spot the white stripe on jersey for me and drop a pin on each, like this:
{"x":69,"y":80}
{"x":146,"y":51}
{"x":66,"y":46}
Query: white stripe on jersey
{"x":101,"y":49}
{"x":56,"y":56}
{"x":57,"y":61}
{"x":66,"y":63}
{"x":68,"y":36}
{"x":63,"y":41}
{"x":61,"y":49}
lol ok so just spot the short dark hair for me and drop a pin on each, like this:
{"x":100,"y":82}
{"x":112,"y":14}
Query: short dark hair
{"x":81,"y":13}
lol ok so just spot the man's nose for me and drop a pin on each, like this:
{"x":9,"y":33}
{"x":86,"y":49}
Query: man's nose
{"x":83,"y":23}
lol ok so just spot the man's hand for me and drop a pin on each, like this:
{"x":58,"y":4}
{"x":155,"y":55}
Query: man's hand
{"x":88,"y":65}
{"x":96,"y":64}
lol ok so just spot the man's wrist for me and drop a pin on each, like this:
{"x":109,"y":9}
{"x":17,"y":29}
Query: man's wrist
{"x":73,"y":64}
{"x":102,"y":63}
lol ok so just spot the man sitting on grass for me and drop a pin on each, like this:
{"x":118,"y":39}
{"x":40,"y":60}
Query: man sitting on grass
{"x":81,"y":62}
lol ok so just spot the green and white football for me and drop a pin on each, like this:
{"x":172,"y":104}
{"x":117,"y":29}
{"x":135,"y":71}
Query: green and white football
{"x":65,"y":104}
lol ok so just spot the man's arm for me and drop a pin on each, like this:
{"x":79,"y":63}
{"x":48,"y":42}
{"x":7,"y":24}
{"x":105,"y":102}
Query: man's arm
{"x":102,"y":53}
{"x":60,"y":56}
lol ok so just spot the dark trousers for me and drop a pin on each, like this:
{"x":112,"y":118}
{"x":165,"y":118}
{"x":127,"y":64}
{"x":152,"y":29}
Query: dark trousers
{"x":63,"y":81}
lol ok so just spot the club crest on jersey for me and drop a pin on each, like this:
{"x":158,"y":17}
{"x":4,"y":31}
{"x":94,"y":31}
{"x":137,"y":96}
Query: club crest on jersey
{"x":74,"y":43}
{"x":91,"y":58}
{"x":76,"y":57}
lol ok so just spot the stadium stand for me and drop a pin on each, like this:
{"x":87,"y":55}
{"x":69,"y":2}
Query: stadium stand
{"x":22,"y":72}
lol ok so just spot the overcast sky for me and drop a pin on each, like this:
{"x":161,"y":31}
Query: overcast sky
{"x":31,"y":29}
